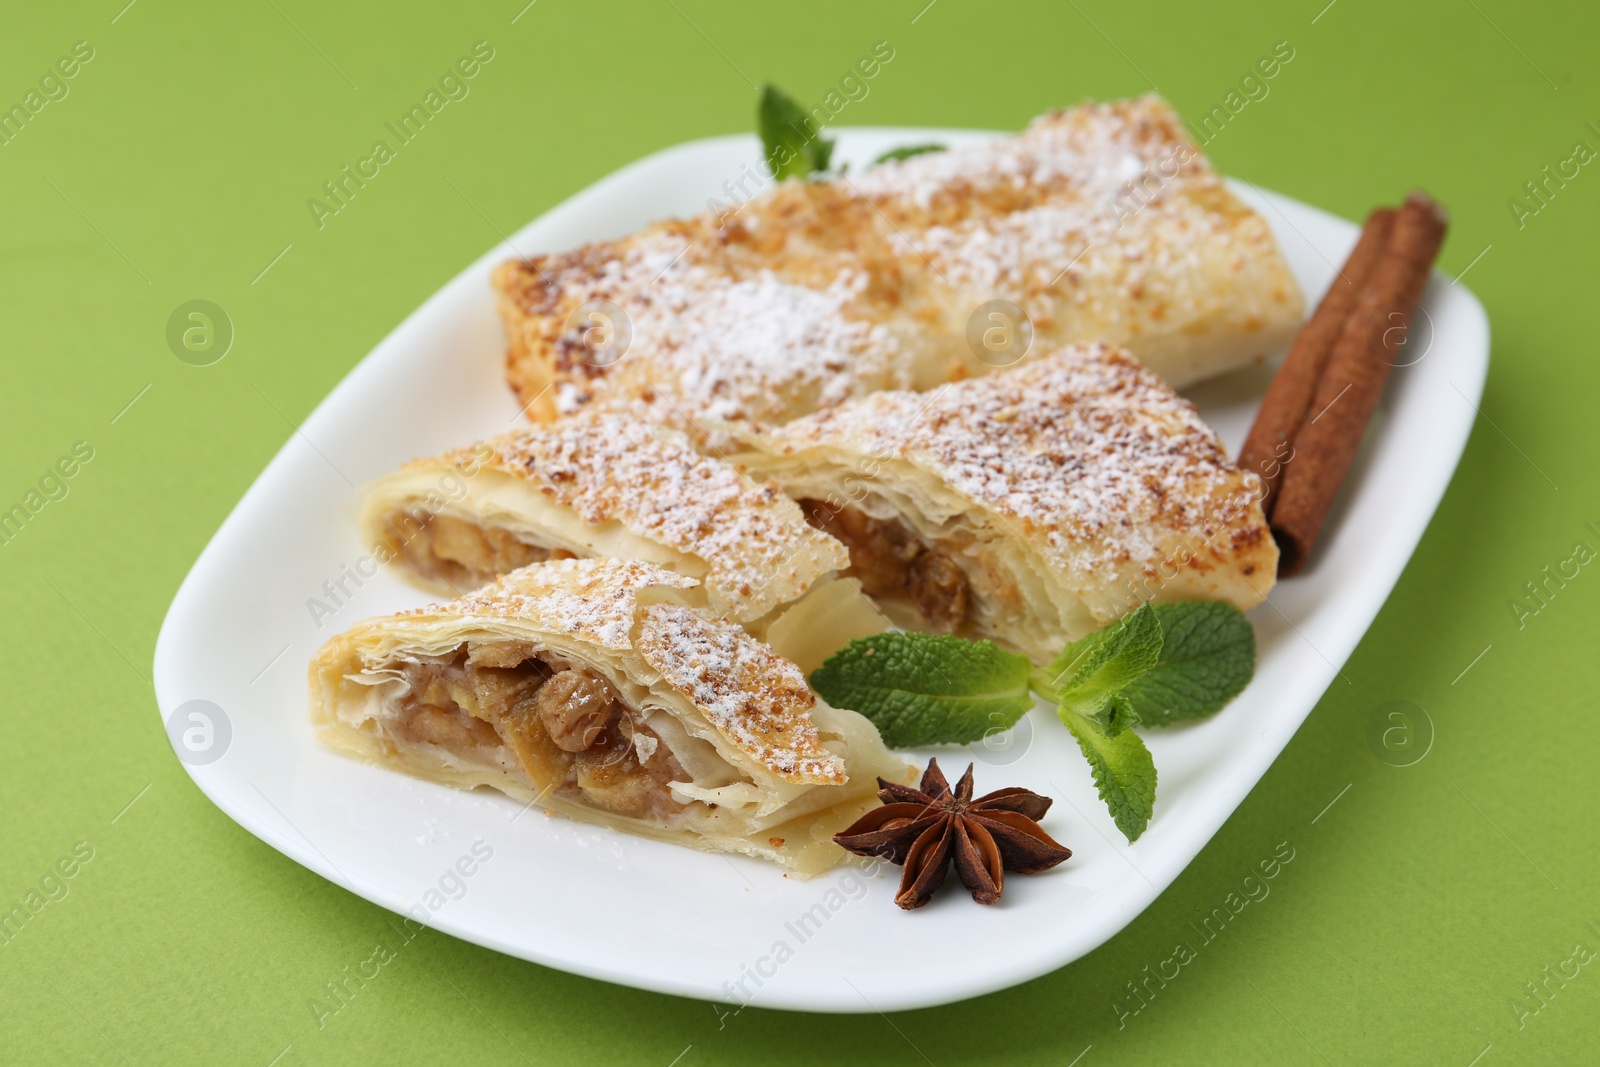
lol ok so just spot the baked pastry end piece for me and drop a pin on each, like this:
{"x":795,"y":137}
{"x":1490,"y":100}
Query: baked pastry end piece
{"x":1101,"y":222}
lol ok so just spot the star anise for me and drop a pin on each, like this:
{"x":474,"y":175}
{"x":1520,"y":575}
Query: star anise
{"x":924,"y":829}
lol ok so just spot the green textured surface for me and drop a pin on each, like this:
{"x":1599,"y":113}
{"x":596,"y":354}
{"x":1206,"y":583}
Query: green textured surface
{"x":1415,"y":908}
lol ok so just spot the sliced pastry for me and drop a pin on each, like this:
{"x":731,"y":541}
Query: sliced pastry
{"x":597,"y":485}
{"x":1102,"y":222}
{"x":567,"y":685}
{"x":1028,"y":507}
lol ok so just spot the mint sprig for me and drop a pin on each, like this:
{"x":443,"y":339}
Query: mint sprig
{"x":792,"y":147}
{"x":1157,"y":665}
{"x":927,"y":689}
{"x":1088,"y":683}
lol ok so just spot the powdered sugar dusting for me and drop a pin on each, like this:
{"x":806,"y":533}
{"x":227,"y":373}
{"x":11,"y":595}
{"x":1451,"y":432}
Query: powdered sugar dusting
{"x":749,"y":350}
{"x":745,"y":341}
{"x":1083,"y":205}
{"x":718,"y":346}
{"x":1094,"y":149}
{"x":755,"y":699}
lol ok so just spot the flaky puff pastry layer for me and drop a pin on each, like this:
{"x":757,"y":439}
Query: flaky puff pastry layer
{"x":768,"y":769}
{"x":1067,"y":491}
{"x":610,"y":486}
{"x":1102,"y":222}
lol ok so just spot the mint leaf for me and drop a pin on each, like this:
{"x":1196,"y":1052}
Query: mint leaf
{"x":1089,"y":676}
{"x":907,"y":152}
{"x":1124,"y":773}
{"x":793,"y":147}
{"x":927,"y":689}
{"x":1208,"y":655}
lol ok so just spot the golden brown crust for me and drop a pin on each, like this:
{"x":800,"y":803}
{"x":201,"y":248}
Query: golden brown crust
{"x":1102,"y":222}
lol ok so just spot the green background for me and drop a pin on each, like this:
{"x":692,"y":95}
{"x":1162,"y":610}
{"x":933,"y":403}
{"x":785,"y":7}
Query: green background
{"x":1416,"y":907}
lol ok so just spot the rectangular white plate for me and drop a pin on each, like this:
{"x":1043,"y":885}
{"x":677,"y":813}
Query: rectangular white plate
{"x":646,"y":914}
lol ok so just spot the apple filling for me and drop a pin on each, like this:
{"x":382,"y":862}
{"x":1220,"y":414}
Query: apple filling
{"x":565,"y":726}
{"x":893,"y":563}
{"x":461,"y":553}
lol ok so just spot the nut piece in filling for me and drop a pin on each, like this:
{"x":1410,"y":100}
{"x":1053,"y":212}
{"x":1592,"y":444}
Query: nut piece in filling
{"x":460,"y":552}
{"x":893,"y":563}
{"x":563,"y":724}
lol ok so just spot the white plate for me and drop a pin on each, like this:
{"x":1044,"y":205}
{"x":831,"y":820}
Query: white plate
{"x":594,"y":902}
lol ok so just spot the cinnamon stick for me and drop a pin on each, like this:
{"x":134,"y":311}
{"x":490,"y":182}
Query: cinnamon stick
{"x":1353,"y":379}
{"x":1269,"y":448}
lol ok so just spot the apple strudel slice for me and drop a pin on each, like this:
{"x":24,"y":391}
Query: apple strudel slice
{"x":1028,"y":507}
{"x":600,"y":485}
{"x":562,"y":685}
{"x":1102,"y":222}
